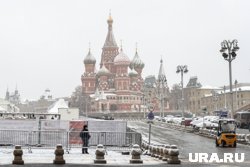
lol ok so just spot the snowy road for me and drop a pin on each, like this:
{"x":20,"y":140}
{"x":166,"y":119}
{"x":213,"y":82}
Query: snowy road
{"x":189,"y":142}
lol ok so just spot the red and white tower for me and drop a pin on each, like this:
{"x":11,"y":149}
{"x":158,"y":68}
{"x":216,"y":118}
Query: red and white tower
{"x":89,"y":76}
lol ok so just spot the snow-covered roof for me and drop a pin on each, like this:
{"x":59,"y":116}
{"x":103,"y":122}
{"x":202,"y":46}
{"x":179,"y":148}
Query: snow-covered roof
{"x":238,"y":89}
{"x":121,"y":58}
{"x":53,"y":109}
{"x":242,"y":88}
{"x":221,"y":91}
{"x":210,"y":87}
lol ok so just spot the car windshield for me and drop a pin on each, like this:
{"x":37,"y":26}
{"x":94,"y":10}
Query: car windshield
{"x":227,"y":127}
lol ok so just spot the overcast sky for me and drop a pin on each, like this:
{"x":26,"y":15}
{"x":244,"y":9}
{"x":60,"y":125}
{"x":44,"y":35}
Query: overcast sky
{"x":43,"y":43}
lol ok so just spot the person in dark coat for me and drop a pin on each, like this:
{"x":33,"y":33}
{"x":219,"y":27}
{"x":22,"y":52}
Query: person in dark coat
{"x":84,"y":134}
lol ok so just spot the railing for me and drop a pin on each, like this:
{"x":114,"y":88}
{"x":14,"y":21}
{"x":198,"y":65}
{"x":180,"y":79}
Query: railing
{"x":68,"y":139}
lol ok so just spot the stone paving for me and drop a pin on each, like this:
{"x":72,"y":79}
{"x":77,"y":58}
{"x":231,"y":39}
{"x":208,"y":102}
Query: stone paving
{"x":46,"y":156}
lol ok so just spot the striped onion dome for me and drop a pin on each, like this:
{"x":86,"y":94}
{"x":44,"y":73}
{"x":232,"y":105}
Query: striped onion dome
{"x":89,"y":59}
{"x":133,"y":73}
{"x":121,"y":59}
{"x":103,"y":71}
{"x":136,"y":62}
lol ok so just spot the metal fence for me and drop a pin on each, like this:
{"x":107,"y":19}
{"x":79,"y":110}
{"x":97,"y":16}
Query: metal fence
{"x":68,"y":139}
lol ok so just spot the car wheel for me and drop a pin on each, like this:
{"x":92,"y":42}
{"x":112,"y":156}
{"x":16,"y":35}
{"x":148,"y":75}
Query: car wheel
{"x":223,"y":143}
{"x":235,"y":144}
{"x":216,"y":143}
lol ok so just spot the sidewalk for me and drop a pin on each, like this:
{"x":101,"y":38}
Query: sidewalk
{"x":44,"y":157}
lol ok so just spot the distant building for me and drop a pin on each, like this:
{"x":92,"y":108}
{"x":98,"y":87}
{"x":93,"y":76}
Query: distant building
{"x":156,"y":91}
{"x":198,"y":97}
{"x":117,"y":85}
{"x":7,"y":106}
{"x":38,"y":106}
{"x":13,"y":97}
{"x":47,"y":95}
{"x":221,"y":99}
{"x":62,"y":111}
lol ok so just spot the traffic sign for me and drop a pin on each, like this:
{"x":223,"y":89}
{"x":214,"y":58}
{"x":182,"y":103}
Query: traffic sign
{"x":151,"y":115}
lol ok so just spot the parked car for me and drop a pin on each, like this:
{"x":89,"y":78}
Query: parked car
{"x":169,"y":118}
{"x":186,"y":121}
{"x":177,"y":120}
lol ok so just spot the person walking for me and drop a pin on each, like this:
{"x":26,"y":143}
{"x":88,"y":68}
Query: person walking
{"x":84,"y":134}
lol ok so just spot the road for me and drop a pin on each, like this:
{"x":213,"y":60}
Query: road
{"x":189,"y":143}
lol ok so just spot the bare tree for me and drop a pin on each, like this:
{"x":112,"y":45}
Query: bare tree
{"x":175,"y":97}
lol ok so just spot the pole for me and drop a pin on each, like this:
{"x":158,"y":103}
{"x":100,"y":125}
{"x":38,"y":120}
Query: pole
{"x":143,"y":106}
{"x":182,"y":93}
{"x":231,"y":91}
{"x":39,"y":130}
{"x":230,"y":48}
{"x":225,"y":104}
{"x":216,"y":102}
{"x":149,"y":133}
{"x":236,"y":100}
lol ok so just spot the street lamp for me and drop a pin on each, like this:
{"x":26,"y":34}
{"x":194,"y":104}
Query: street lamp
{"x":228,"y":50}
{"x":236,"y":100}
{"x":182,"y":69}
{"x":143,"y":104}
{"x":215,"y":99}
{"x":225,"y":98}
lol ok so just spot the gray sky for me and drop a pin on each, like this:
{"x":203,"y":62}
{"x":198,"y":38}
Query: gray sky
{"x":43,"y":43}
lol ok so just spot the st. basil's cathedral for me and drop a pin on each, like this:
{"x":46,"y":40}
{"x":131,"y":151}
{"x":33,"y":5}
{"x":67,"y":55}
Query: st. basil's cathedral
{"x":117,"y":85}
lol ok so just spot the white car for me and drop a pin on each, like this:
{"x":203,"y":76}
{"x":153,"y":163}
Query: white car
{"x":196,"y":121}
{"x":177,"y":120}
{"x":158,"y":118}
{"x":169,"y":118}
{"x":207,"y":124}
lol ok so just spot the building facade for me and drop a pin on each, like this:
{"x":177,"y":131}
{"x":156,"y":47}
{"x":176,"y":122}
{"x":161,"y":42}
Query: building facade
{"x":117,"y":85}
{"x":198,"y":97}
{"x":13,"y":97}
{"x":221,"y":99}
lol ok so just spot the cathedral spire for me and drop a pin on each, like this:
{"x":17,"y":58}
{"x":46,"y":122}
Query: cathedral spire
{"x":161,"y":74}
{"x":110,"y":39}
{"x":7,"y":95}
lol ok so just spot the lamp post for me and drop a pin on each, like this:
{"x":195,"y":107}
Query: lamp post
{"x":143,"y":102}
{"x":228,"y":50}
{"x":182,"y":69}
{"x":215,"y":98}
{"x":225,"y":102}
{"x":236,"y":100}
